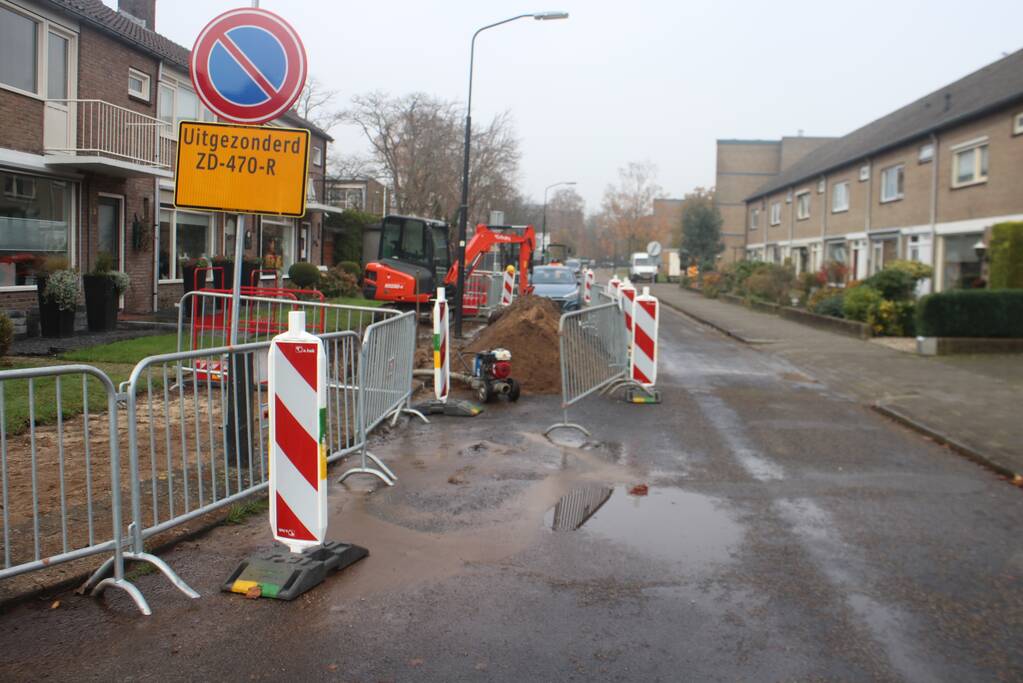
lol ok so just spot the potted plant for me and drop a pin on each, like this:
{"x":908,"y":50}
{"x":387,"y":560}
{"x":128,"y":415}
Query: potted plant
{"x":188,"y":268}
{"x":249,"y":266}
{"x":57,"y":291}
{"x":103,"y":288}
{"x":223,"y":272}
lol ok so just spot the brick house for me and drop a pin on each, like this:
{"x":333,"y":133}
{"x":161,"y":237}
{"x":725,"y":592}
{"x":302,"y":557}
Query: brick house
{"x":90,"y":99}
{"x":925,"y":183}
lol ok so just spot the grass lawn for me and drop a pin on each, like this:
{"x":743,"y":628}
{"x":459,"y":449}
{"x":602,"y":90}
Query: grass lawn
{"x":127,"y":351}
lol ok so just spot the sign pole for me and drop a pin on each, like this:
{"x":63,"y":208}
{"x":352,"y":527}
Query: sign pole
{"x":236,"y":286}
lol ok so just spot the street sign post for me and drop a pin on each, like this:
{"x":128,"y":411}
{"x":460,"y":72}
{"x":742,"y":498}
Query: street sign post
{"x":246,"y":169}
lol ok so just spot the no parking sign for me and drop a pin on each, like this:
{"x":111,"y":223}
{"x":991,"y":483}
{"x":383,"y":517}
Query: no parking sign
{"x":248,"y":66}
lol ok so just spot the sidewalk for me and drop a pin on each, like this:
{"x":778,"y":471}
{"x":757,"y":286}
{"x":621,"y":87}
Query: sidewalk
{"x":972,"y":403}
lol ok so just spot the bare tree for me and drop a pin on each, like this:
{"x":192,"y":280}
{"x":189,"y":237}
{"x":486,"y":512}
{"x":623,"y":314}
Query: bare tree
{"x":314,"y":104}
{"x":628,"y":205}
{"x":416,"y":141}
{"x":348,"y":166}
{"x":566,"y":220}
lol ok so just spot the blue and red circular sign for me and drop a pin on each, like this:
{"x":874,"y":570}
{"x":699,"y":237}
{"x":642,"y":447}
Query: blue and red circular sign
{"x":248,"y":66}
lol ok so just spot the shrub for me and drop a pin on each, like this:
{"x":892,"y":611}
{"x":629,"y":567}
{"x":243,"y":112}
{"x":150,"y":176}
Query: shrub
{"x":858,"y":300}
{"x":352,"y":268}
{"x":827,"y":301}
{"x":919,"y":271}
{"x":894,"y":284}
{"x":891,"y":318}
{"x":832,"y":272}
{"x":121,"y":280}
{"x":304,"y":275}
{"x":770,"y":282}
{"x":62,"y":289}
{"x":1006,"y":252}
{"x":104,"y":264}
{"x":711,"y":284}
{"x":338,"y":282}
{"x":51,"y":264}
{"x":971,"y":313}
{"x":685,"y":281}
{"x":6,"y":334}
{"x":734,"y":275}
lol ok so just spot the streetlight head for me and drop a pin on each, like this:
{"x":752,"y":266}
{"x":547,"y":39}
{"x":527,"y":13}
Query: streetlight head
{"x":549,"y":16}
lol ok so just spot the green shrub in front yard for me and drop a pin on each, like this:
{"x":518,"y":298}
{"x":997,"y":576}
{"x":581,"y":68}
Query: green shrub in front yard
{"x":893,"y":284}
{"x":971,"y":313}
{"x":1006,"y":251}
{"x":711,"y":285}
{"x":858,"y":301}
{"x":770,"y":282}
{"x":827,"y":301}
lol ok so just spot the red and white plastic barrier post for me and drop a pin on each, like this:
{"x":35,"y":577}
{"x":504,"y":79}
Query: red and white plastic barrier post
{"x":643,"y":366}
{"x":588,"y":279}
{"x":441,"y":352}
{"x":508,"y":287}
{"x":297,"y":392}
{"x":628,"y":292}
{"x":612,"y":287}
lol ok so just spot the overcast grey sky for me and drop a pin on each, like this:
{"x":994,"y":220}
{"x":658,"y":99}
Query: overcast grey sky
{"x":645,"y":79}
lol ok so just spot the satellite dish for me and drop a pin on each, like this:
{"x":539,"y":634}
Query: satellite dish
{"x":654,"y":249}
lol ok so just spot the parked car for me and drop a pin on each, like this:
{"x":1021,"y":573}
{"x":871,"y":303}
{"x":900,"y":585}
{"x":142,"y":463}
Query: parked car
{"x":576,"y":266}
{"x":642,"y":267}
{"x":558,"y":284}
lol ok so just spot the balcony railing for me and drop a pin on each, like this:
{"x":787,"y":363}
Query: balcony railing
{"x":96,"y":128}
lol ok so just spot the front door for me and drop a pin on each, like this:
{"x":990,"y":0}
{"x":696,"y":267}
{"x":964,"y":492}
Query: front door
{"x":110,"y":228}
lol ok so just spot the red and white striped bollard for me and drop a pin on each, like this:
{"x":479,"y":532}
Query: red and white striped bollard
{"x":643,"y":366}
{"x":441,"y":352}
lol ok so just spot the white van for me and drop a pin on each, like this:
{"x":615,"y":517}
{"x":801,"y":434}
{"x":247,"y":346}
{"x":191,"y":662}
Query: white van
{"x":642,"y":267}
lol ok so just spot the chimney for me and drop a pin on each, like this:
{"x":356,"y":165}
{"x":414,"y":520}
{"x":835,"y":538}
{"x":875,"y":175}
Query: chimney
{"x":143,"y":12}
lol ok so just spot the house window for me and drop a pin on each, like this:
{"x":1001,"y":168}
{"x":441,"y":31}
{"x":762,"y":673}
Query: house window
{"x":776,"y":213}
{"x":926,"y":153}
{"x":35,"y":221}
{"x":969,"y":165}
{"x":177,"y":102}
{"x":56,"y":66}
{"x":836,"y":252}
{"x":803,"y":205}
{"x":183,"y":235}
{"x":138,"y":84}
{"x":754,"y":221}
{"x":277,"y":243}
{"x":891,"y":183}
{"x":840,"y":197}
{"x":1017,"y":124}
{"x":962,"y":268}
{"x":18,"y":50}
{"x":317,"y":156}
{"x":864,"y":172}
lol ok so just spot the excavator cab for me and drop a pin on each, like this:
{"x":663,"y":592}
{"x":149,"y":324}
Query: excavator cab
{"x":413,"y":259}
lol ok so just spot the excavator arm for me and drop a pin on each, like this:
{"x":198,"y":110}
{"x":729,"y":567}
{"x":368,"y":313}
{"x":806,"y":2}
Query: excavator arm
{"x":484,"y":240}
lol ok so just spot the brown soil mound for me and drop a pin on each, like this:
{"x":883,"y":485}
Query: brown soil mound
{"x":529,"y":329}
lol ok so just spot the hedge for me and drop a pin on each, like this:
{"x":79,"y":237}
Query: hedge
{"x":971,"y":313}
{"x":1006,"y":252}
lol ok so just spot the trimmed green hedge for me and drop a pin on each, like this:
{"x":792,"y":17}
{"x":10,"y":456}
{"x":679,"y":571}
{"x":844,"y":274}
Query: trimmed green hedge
{"x":971,"y":313}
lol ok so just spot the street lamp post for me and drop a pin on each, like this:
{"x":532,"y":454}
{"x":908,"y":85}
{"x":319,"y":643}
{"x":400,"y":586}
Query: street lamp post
{"x":543,"y":237}
{"x":463,"y":209}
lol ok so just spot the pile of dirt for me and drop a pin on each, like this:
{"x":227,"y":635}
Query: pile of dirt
{"x":529,"y":329}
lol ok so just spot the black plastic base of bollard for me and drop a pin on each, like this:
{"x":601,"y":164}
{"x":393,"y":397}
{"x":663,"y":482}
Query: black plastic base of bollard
{"x":453,"y":408}
{"x":633,"y":395}
{"x":284,"y":575}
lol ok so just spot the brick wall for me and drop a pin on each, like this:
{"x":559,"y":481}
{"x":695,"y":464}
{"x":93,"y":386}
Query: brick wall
{"x":22,"y":127}
{"x":103,"y":64}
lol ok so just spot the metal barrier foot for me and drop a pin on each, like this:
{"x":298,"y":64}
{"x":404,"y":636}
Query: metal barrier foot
{"x":97,"y":576}
{"x":129,"y":588}
{"x":413,"y":411}
{"x":380,"y":463}
{"x":366,"y":470}
{"x":165,"y":568}
{"x":566,"y":425}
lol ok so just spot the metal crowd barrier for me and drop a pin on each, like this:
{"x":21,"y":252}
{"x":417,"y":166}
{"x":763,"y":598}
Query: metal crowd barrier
{"x":594,"y":355}
{"x":204,"y":317}
{"x":61,"y":489}
{"x":385,"y":385}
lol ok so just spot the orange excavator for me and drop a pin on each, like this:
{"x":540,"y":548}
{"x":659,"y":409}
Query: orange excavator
{"x":414,"y":258}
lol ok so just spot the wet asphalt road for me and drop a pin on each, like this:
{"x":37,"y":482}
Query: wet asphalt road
{"x":788,"y":534}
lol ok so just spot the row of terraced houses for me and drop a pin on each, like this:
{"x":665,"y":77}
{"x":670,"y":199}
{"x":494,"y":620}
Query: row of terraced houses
{"x":90,"y":99}
{"x":925,"y":182}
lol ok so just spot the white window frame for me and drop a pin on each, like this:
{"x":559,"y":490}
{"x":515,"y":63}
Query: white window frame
{"x":147,"y":82}
{"x":45,"y":26}
{"x":317,"y":156}
{"x":174,"y":84}
{"x":173,"y":250}
{"x":754,"y":221}
{"x":975,"y":146}
{"x":1017,"y":123}
{"x":803,"y":205}
{"x":900,"y":182}
{"x":72,"y":227}
{"x":775,"y":218}
{"x":926,"y":154}
{"x":289,"y":225}
{"x":837,"y":207}
{"x":864,"y":172}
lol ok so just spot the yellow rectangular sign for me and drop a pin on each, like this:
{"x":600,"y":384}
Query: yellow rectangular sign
{"x":248,"y":169}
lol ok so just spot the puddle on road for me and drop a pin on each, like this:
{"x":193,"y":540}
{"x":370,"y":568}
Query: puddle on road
{"x":668,"y":523}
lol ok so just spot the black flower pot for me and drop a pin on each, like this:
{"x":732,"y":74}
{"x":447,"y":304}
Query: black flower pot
{"x":53,"y":322}
{"x":100,"y":302}
{"x":188,"y":277}
{"x":222,"y":274}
